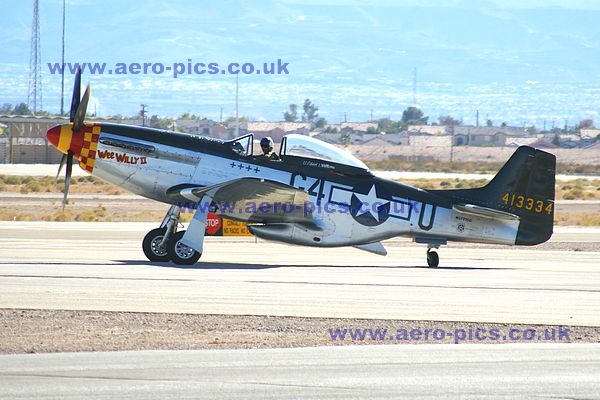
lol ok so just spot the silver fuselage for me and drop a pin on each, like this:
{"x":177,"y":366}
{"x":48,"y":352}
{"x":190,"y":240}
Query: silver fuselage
{"x":151,"y":175}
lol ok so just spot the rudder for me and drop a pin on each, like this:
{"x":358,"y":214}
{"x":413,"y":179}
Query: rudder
{"x":524,"y":186}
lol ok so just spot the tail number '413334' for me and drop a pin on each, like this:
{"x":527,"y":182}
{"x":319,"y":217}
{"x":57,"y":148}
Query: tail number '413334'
{"x":527,"y":203}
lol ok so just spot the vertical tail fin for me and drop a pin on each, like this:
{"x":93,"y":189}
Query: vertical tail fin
{"x":524,"y":186}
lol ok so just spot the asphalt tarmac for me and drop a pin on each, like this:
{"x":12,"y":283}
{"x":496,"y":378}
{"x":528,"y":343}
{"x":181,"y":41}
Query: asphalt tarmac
{"x":350,"y":372}
{"x":100,"y":266}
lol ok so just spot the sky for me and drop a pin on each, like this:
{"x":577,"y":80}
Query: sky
{"x":523,"y":62}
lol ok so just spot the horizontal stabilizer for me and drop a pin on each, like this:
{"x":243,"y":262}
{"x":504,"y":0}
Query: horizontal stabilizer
{"x":484,"y":212}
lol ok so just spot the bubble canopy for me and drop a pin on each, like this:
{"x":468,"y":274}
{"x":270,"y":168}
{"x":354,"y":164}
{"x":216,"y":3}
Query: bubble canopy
{"x":305,"y":146}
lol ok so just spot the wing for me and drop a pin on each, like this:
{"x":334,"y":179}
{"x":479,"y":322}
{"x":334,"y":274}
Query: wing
{"x":251,"y":200}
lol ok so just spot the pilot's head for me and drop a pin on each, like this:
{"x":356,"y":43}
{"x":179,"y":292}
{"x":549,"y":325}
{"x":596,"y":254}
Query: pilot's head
{"x":266,"y":145}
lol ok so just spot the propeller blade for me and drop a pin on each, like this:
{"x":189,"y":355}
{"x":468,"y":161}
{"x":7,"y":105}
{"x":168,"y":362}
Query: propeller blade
{"x":80,"y":114}
{"x":60,"y":166}
{"x":68,"y":176}
{"x":76,"y":94}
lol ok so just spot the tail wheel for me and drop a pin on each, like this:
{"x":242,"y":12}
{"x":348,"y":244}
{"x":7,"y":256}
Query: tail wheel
{"x":152,"y":248}
{"x":433,"y":260}
{"x":180,"y":253}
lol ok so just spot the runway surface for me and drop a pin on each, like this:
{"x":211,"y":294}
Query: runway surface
{"x":376,"y":372}
{"x":100,"y":266}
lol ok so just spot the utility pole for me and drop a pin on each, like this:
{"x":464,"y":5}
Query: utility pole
{"x":345,"y":119}
{"x":452,"y":144}
{"x":221,"y":116}
{"x":371,"y":115}
{"x":415,"y":87}
{"x":477,"y":118}
{"x":62,"y":76}
{"x":34,"y":96}
{"x":143,"y":113}
{"x":237,"y":115}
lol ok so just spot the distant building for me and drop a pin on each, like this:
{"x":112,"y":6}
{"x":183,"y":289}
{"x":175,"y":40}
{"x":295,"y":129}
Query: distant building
{"x":521,"y":141}
{"x":567,"y":137}
{"x":23,"y":140}
{"x":352,"y":127}
{"x":570,"y":144}
{"x":485,"y":135}
{"x":543,"y":143}
{"x":589,"y":133}
{"x":396,"y":139}
{"x":429,"y":129}
{"x":208,"y":127}
{"x":296,"y":127}
{"x":430,"y":141}
{"x":341,"y":138}
{"x":187,"y":125}
{"x":347,"y":137}
{"x":204,"y":127}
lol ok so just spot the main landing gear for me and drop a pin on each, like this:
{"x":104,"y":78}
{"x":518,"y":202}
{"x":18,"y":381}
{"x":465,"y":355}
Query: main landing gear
{"x":165,"y":243}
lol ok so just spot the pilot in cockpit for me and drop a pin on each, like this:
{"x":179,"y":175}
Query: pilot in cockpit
{"x":266,"y":144}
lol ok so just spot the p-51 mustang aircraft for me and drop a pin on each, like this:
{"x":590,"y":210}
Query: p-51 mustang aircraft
{"x":315,"y":195}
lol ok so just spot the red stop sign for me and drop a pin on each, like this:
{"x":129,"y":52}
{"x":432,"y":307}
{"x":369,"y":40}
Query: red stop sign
{"x":213,"y":224}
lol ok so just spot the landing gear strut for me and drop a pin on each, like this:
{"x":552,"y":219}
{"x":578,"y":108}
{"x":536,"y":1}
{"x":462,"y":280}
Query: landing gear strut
{"x":164,"y":244}
{"x":156,"y":242}
{"x":181,"y":247}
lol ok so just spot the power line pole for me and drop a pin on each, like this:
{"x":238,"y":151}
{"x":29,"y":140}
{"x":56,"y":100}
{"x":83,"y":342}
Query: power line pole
{"x":62,"y":76}
{"x":143,"y":113}
{"x":452,"y":144}
{"x":415,"y":87}
{"x":237,"y":115}
{"x":34,"y":96}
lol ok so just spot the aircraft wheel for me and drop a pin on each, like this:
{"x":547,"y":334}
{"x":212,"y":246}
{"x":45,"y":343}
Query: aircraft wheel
{"x":180,"y":253}
{"x":151,"y":246}
{"x":433,"y":260}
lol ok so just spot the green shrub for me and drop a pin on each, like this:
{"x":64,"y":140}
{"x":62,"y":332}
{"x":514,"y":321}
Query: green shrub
{"x":12,"y":180}
{"x":33,"y":186}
